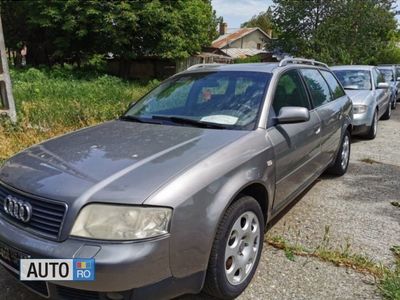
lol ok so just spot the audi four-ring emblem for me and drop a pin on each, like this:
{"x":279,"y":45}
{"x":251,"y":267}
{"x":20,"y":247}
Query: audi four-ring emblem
{"x":17,"y":209}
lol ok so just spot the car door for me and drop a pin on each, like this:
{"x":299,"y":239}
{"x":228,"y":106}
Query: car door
{"x":297,"y":145}
{"x":381,"y":95}
{"x":329,"y":111}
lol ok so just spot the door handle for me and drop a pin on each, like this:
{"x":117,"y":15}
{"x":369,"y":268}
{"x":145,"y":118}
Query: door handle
{"x":317,"y":130}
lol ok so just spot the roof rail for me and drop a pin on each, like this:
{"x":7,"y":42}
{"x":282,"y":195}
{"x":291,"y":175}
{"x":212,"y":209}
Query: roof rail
{"x":198,"y":66}
{"x":298,"y":60}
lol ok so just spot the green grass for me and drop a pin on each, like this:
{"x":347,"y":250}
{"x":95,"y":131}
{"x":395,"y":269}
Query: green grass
{"x":388,"y":278}
{"x":342,"y":257}
{"x":52,"y":102}
{"x":390,"y":285}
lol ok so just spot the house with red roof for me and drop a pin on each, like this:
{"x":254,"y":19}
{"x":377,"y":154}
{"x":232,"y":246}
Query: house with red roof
{"x":242,"y":42}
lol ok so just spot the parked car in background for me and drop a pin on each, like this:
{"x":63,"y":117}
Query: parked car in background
{"x":370,"y":94}
{"x":389,"y":73}
{"x":174,"y":196}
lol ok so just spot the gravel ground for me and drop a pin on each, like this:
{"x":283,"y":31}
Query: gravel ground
{"x":355,"y":209}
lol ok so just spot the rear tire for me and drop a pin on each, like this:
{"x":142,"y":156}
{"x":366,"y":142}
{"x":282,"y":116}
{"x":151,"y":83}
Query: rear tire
{"x":236,"y":249}
{"x":373,"y":129}
{"x":342,"y":159}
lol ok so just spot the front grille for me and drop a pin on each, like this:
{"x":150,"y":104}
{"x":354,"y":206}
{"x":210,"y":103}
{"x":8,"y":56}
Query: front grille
{"x":47,"y":215}
{"x":74,"y":294}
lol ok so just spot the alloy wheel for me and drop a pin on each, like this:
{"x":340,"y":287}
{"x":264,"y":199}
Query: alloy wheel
{"x":242,"y":248}
{"x":345,"y":152}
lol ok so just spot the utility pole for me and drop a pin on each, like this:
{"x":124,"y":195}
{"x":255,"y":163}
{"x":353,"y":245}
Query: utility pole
{"x":7,"y":105}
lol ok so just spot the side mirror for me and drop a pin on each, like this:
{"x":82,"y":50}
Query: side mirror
{"x":293,"y":114}
{"x":383,"y":85}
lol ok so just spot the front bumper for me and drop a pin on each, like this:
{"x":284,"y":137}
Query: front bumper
{"x":166,"y":289}
{"x":364,"y":119}
{"x":360,"y":130}
{"x":120,"y":267}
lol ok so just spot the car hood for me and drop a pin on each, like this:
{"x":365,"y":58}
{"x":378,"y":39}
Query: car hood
{"x":118,"y":161}
{"x":359,"y":96}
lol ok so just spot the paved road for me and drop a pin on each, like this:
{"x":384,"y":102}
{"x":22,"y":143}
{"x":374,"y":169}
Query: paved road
{"x":356,"y":208}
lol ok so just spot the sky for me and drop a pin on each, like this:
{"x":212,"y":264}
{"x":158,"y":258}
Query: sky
{"x":236,"y":12}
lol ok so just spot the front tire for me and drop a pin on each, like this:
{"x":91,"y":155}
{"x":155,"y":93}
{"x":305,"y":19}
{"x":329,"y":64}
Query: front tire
{"x":373,"y":129}
{"x":342,"y":159}
{"x":236,"y":249}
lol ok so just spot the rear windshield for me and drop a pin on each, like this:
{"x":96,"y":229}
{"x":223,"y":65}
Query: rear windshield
{"x":232,"y":99}
{"x":354,"y":79}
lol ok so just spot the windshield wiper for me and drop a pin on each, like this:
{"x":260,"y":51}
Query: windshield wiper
{"x":192,"y":122}
{"x":137,"y":119}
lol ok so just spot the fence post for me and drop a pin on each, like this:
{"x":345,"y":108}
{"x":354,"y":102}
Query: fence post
{"x":7,"y":105}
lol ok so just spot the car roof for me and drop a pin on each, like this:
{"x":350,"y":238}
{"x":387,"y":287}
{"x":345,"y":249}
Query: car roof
{"x":249,"y":67}
{"x":353,"y":67}
{"x":253,"y":67}
{"x":385,"y":67}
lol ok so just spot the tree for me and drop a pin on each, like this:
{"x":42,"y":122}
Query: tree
{"x":174,"y":28}
{"x":357,"y":33}
{"x":264,"y":21}
{"x":335,"y":31}
{"x":297,"y":23}
{"x":72,"y":30}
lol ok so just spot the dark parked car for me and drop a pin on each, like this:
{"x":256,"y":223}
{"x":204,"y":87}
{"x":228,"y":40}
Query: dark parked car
{"x":174,"y":197}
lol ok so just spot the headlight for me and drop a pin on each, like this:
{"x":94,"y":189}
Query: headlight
{"x":119,"y":222}
{"x":359,"y":109}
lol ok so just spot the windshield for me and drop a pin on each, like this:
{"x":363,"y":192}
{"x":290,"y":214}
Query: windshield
{"x":387,"y":74}
{"x":354,"y":79}
{"x":228,"y":99}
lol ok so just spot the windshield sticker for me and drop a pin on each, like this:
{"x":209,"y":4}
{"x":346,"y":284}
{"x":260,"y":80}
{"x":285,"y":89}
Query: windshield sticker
{"x":220,"y":119}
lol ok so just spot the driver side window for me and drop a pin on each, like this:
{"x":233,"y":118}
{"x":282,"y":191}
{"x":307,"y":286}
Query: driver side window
{"x":289,"y":91}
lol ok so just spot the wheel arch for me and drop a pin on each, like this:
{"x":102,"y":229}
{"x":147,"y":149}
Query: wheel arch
{"x":259,"y":192}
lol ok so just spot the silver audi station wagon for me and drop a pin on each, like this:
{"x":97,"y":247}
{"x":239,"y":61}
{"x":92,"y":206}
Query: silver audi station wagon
{"x":370,"y":94}
{"x":174,"y":197}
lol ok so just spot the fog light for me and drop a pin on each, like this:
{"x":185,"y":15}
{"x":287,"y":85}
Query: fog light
{"x":115,"y":296}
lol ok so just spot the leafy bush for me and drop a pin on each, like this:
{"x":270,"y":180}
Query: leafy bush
{"x":250,"y":59}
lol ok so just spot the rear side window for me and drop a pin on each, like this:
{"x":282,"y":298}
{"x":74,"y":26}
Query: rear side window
{"x":318,"y":87}
{"x":337,"y":90}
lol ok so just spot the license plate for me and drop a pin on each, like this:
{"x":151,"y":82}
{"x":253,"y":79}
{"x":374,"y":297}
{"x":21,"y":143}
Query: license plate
{"x":11,"y":257}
